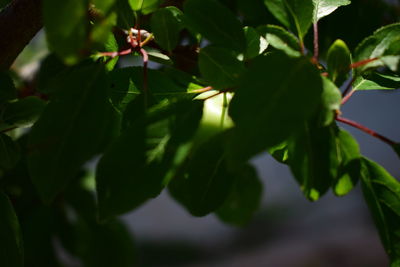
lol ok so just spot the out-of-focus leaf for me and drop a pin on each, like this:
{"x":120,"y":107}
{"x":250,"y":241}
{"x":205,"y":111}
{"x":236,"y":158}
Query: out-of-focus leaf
{"x":9,"y":152}
{"x":156,"y":56}
{"x":255,"y":44}
{"x":7,"y":88}
{"x":244,"y":198}
{"x":277,"y":96}
{"x":281,"y":39}
{"x":216,"y":23}
{"x":66,"y":24}
{"x":338,"y":61}
{"x":220,"y":67}
{"x":22,"y":112}
{"x":103,"y":5}
{"x":70,"y":131}
{"x":166,"y":23}
{"x":382,"y":193}
{"x":12,"y":250}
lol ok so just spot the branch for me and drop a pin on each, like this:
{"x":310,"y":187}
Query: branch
{"x":19,"y":22}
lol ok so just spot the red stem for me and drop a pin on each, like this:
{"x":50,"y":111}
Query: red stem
{"x":362,"y":62}
{"x":316,"y":45}
{"x":115,"y":54}
{"x":366,"y":130}
{"x":202,"y":90}
{"x":145,"y":76}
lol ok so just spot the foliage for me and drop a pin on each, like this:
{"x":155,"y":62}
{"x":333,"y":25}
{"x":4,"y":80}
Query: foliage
{"x":224,"y":91}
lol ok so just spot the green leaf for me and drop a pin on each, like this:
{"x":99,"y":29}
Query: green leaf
{"x":219,"y":67}
{"x":66,"y":24}
{"x":12,"y":251}
{"x":277,"y":95}
{"x":255,"y":44}
{"x":323,"y":8}
{"x":244,"y":198}
{"x":157,"y":56}
{"x":70,"y":131}
{"x":331,"y":102}
{"x":382,"y":193}
{"x":23,"y":112}
{"x":349,"y":168}
{"x":313,"y":159}
{"x":166,"y":23}
{"x":125,"y":14}
{"x":126,"y":84}
{"x":338,"y":61}
{"x":207,"y":183}
{"x":216,"y":23}
{"x":103,"y":5}
{"x":281,"y":39}
{"x":51,"y":68}
{"x":377,"y":81}
{"x":136,"y":4}
{"x":9,"y":152}
{"x":296,"y":15}
{"x":7,"y":88}
{"x":382,"y":43}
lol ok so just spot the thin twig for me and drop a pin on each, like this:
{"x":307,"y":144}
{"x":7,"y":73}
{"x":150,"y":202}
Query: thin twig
{"x":8,"y":129}
{"x":366,"y":130}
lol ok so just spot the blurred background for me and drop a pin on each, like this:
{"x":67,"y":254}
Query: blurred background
{"x":288,"y":230}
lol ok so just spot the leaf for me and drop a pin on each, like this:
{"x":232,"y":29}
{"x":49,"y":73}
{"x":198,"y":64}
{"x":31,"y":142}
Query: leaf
{"x":133,"y":169}
{"x":125,"y":13}
{"x":166,"y":23}
{"x":207,"y":183}
{"x":51,"y":68}
{"x":9,"y":152}
{"x":12,"y":251}
{"x":220,"y":67}
{"x":244,"y":198}
{"x":382,"y":43}
{"x":215,"y":22}
{"x":338,"y":61}
{"x":331,"y":102}
{"x":70,"y":131}
{"x":349,"y":168}
{"x":296,"y":15}
{"x":313,"y":159}
{"x":255,"y":44}
{"x":7,"y":88}
{"x":382,"y":194}
{"x":66,"y":24}
{"x":277,"y":95}
{"x":323,"y":8}
{"x":23,"y":112}
{"x":281,"y":39}
{"x":157,"y":56}
{"x":136,"y":4}
{"x":377,"y":81}
{"x":104,"y":5}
